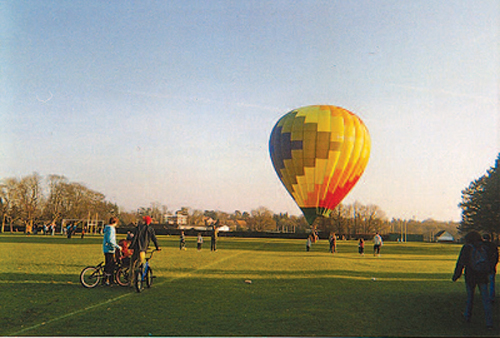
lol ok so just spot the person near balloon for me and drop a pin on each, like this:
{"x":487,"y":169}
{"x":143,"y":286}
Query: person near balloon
{"x":333,"y":243}
{"x":377,"y":244}
{"x":474,"y":261}
{"x":361,"y":247}
{"x":309,"y":243}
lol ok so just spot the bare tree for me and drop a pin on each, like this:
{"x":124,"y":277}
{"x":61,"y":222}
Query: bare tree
{"x":29,"y":198}
{"x":373,"y":218}
{"x":54,"y":206}
{"x":196,"y":218}
{"x":262,"y":219}
{"x":339,"y":219}
{"x":9,"y":207}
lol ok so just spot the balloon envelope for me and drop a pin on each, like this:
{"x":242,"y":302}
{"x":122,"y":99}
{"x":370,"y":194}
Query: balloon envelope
{"x":319,"y":153}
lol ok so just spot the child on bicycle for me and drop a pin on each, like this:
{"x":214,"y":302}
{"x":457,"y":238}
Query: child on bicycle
{"x":109,"y":247}
{"x":126,"y":252}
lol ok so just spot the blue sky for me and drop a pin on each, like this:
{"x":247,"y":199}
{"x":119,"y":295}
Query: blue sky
{"x":174,"y":101}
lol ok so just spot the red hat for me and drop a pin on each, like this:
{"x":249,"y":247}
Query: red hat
{"x":147,"y":220}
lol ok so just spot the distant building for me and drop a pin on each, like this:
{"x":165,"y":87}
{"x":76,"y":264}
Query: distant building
{"x":237,"y":224}
{"x":224,"y":228}
{"x":177,"y":220}
{"x":444,"y":236}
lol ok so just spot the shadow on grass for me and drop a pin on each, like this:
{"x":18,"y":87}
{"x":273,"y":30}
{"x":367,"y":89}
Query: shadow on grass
{"x":47,"y":239}
{"x":319,"y":305}
{"x":333,"y":273}
{"x":37,"y":299}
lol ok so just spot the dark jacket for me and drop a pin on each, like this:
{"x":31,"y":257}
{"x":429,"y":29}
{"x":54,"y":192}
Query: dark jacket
{"x":143,"y":234}
{"x":464,"y":262}
{"x":493,"y":255}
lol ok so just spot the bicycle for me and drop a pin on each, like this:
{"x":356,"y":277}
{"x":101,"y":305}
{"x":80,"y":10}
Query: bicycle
{"x":144,"y":274}
{"x":91,"y":276}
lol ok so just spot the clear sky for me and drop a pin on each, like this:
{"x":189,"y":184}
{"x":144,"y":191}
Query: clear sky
{"x":174,"y":101}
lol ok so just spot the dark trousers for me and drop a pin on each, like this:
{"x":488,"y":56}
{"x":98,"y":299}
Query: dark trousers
{"x":485,"y":296}
{"x":109,"y":264}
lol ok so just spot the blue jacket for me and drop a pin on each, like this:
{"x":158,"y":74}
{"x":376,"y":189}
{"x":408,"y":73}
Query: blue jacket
{"x":109,"y":242}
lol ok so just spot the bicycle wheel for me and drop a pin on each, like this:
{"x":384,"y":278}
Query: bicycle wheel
{"x":149,"y":277}
{"x":139,"y":283}
{"x":90,"y":277}
{"x":122,"y":276}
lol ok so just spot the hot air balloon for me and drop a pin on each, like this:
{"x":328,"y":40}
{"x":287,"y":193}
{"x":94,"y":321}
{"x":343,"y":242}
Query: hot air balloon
{"x":319,"y":153}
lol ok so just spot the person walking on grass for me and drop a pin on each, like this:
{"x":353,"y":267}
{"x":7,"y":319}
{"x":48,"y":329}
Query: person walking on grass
{"x":474,"y":258}
{"x":142,"y":235}
{"x":494,"y":261}
{"x":109,"y":247}
{"x":361,"y":247}
{"x":377,"y":244}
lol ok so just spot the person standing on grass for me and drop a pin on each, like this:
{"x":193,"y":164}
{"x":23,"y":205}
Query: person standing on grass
{"x":377,"y":244}
{"x":213,"y":242}
{"x":493,"y":261}
{"x":68,"y":230}
{"x":309,"y":243}
{"x":361,"y":247}
{"x":474,"y":257}
{"x":142,"y":235}
{"x":333,"y":243}
{"x":199,"y":241}
{"x":182,"y":244}
{"x":109,"y":247}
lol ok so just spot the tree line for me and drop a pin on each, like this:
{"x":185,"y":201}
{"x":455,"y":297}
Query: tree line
{"x":33,"y":200}
{"x":28,"y":201}
{"x":481,"y":203}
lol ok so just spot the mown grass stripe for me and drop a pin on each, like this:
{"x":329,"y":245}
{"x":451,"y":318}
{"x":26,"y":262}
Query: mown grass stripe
{"x":109,"y":301}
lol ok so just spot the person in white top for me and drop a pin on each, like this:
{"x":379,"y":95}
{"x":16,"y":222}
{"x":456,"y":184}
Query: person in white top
{"x":377,"y":244}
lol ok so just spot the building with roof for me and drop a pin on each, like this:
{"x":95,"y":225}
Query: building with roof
{"x":444,"y":236}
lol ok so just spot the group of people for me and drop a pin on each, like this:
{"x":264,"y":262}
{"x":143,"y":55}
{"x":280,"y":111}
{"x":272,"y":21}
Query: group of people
{"x":44,"y":228}
{"x":199,"y":241}
{"x":477,"y":260}
{"x":133,"y":248}
{"x":332,"y":239}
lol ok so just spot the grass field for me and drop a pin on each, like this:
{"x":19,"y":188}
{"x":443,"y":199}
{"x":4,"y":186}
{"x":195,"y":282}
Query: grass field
{"x":405,"y":292}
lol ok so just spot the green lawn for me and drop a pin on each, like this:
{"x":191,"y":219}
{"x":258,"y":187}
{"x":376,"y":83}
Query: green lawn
{"x":405,"y":292}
